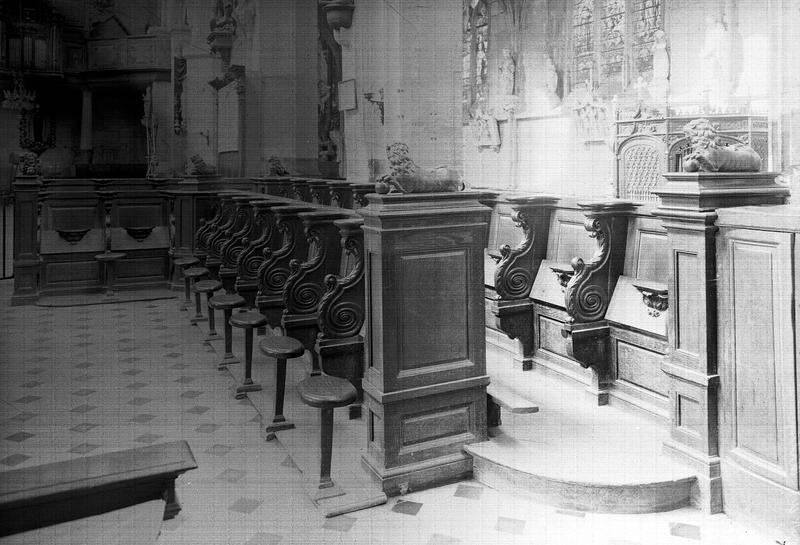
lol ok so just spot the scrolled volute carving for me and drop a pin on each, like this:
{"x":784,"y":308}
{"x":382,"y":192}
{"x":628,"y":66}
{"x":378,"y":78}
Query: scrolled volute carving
{"x":271,"y":276}
{"x":511,"y":280}
{"x":252,"y":255}
{"x":341,"y":308}
{"x":587,"y":301}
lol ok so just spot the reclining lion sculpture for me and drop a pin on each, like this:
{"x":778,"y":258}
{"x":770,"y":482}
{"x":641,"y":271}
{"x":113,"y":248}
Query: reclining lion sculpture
{"x":407,"y":177}
{"x":710,"y":155}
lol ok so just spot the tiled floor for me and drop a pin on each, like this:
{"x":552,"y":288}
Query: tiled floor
{"x":92,"y":379}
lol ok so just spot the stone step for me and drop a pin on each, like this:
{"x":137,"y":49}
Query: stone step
{"x":575,"y":455}
{"x":511,"y":401}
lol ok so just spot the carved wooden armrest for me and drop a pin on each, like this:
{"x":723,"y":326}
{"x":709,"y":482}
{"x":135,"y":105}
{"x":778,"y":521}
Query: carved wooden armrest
{"x":253,"y":254}
{"x":304,"y":287}
{"x":341,"y":308}
{"x":206,"y":229}
{"x":274,"y":271}
{"x":515,"y":272}
{"x":239,"y":234}
{"x":588,"y":292}
{"x":654,"y":296}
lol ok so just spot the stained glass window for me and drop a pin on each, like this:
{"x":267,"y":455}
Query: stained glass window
{"x":646,"y":20}
{"x":475,"y":60}
{"x":612,"y":42}
{"x":583,"y":41}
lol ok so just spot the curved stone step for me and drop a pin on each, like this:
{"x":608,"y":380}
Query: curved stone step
{"x":555,"y":478}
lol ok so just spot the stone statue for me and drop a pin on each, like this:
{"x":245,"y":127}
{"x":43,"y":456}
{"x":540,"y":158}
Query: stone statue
{"x":407,"y":177}
{"x":715,"y":68}
{"x":710,"y":155}
{"x":276,"y":167}
{"x":659,"y":84}
{"x":198,"y":167}
{"x":508,"y":71}
{"x":485,"y":130}
{"x":28,"y":164}
{"x":223,"y":20}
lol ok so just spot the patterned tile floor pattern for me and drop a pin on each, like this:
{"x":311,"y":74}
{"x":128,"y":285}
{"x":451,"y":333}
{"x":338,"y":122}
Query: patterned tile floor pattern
{"x":90,"y":379}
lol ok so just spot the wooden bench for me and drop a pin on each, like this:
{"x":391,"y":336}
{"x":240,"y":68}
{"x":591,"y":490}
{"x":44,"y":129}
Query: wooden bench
{"x":40,"y":496}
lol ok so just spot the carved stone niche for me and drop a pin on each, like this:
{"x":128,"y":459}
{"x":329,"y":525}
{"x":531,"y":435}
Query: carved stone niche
{"x":588,"y":293}
{"x":515,"y":272}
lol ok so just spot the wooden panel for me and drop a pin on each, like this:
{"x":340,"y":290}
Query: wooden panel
{"x":139,"y":214}
{"x":141,"y":268}
{"x":550,"y":338}
{"x":433,"y":425}
{"x":647,"y":250}
{"x":71,"y":216}
{"x":687,"y":273}
{"x":753,"y":311}
{"x":689,"y":413}
{"x":627,"y":308}
{"x":759,"y":402}
{"x":652,"y":256}
{"x":68,"y":272}
{"x":434,"y":328}
{"x":572,"y":240}
{"x":502,"y":229}
{"x":640,"y":366}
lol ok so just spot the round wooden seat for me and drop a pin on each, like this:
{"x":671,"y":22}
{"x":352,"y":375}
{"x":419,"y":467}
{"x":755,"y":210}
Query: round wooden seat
{"x":226,"y":301}
{"x":109,"y":256}
{"x":207,"y":286}
{"x":186,"y":261}
{"x":248,"y":319}
{"x":195,"y":272}
{"x":281,"y":347}
{"x":324,"y":391}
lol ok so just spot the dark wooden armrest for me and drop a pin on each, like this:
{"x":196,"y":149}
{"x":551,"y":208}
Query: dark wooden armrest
{"x":44,"y":495}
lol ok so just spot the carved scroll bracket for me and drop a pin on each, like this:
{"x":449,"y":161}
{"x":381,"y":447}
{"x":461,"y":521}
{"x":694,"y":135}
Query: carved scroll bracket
{"x":588,"y":293}
{"x":564,"y":273}
{"x":654,"y":296}
{"x":517,"y":268}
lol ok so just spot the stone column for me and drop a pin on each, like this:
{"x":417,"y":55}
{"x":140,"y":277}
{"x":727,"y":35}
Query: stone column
{"x":425,"y":383}
{"x":26,"y":240}
{"x":688,"y":208}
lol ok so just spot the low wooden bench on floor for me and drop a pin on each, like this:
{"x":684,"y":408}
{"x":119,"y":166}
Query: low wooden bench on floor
{"x":40,"y":496}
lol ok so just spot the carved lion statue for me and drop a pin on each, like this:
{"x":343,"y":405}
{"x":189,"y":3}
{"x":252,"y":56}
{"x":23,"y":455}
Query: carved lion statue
{"x":711,"y":155}
{"x":407,"y":177}
{"x":198,"y":167}
{"x":276,"y":167}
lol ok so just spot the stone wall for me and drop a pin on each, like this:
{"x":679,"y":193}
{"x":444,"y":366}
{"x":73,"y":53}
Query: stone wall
{"x":757,"y":64}
{"x":406,"y":57}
